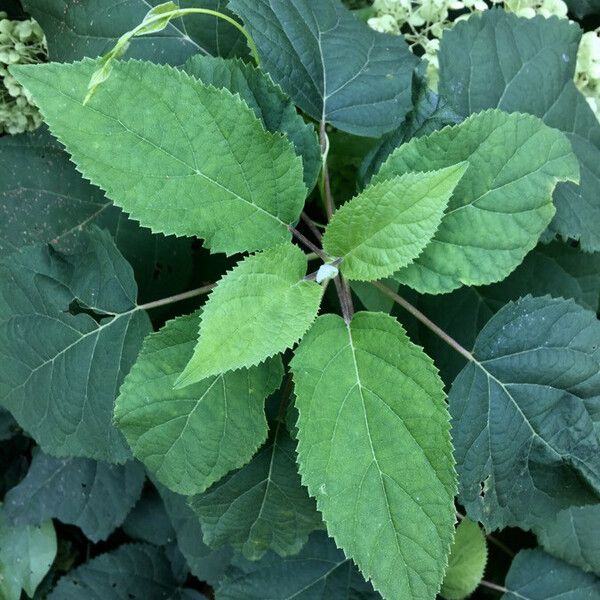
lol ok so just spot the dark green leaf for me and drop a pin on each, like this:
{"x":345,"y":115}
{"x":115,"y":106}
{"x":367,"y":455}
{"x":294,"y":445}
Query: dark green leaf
{"x":573,"y":535}
{"x":319,"y":572}
{"x":334,"y":67}
{"x":131,"y":572}
{"x":535,"y":575}
{"x":206,"y":564}
{"x":77,"y":29}
{"x":44,"y":199}
{"x":149,"y":521}
{"x":481,"y":66}
{"x":262,"y":506}
{"x":94,"y":496}
{"x":582,"y":8}
{"x":268,"y":102}
{"x":429,"y":113}
{"x":524,"y":413}
{"x":69,"y":332}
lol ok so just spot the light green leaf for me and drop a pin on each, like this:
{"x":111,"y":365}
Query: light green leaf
{"x":260,"y":308}
{"x":189,"y":438}
{"x":72,"y":30}
{"x":389,"y":224}
{"x":69,"y":332}
{"x":334,"y":67}
{"x":573,"y":535}
{"x":388,"y":500}
{"x":130,"y":571}
{"x":205,"y":563}
{"x":26,"y":554}
{"x":268,"y":102}
{"x":535,"y":575}
{"x":319,"y":572}
{"x":226,"y":179}
{"x":94,"y":496}
{"x":523,"y":414}
{"x":482,"y":67}
{"x":466,"y":564}
{"x":262,"y":506}
{"x":502,"y":204}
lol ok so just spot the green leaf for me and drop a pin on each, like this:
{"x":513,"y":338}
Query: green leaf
{"x":534,"y":575}
{"x":268,"y":102}
{"x":94,"y":496}
{"x":26,"y":554}
{"x":573,"y":536}
{"x":319,"y":572}
{"x":429,"y":113}
{"x":466,"y":564}
{"x":523,"y":414}
{"x":260,"y":308}
{"x":130,"y":571}
{"x":228,"y":180}
{"x":149,"y":521}
{"x":389,"y":224}
{"x":502,"y":204}
{"x":206,"y":564}
{"x":556,"y":269}
{"x":8,"y":426}
{"x":334,"y":67}
{"x":261,"y":507}
{"x":44,"y":199}
{"x":69,"y":332}
{"x":582,"y":8}
{"x":482,"y":67}
{"x":75,"y":30}
{"x":388,"y":501}
{"x":189,"y":438}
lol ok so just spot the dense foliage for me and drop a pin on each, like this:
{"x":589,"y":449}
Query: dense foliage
{"x":299,"y":300}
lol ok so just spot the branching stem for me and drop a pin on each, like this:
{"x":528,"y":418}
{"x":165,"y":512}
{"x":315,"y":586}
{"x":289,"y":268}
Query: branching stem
{"x":312,"y":247}
{"x":311,"y":225}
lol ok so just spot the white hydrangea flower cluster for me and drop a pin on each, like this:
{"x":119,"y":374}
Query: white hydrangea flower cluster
{"x":587,"y":72}
{"x":21,"y":42}
{"x":423,"y":22}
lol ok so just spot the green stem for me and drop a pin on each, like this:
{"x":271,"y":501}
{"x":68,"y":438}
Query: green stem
{"x":415,"y":312}
{"x":182,"y":12}
{"x":177,"y":298}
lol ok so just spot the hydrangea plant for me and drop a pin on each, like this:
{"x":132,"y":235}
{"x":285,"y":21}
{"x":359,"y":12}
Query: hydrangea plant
{"x":279,"y":321}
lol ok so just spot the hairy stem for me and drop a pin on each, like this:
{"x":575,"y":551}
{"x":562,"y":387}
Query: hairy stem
{"x":312,"y":247}
{"x":493,"y":586}
{"x":311,"y":225}
{"x":182,"y":12}
{"x":341,"y":286}
{"x":177,"y":298}
{"x":415,"y":312}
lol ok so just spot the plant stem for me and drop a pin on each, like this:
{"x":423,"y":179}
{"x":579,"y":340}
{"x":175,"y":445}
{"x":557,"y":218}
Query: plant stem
{"x":341,"y":286}
{"x":313,"y":247}
{"x":326,"y":182}
{"x":415,"y":312}
{"x":309,"y":222}
{"x":493,"y":586}
{"x":177,"y":298}
{"x":182,"y":12}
